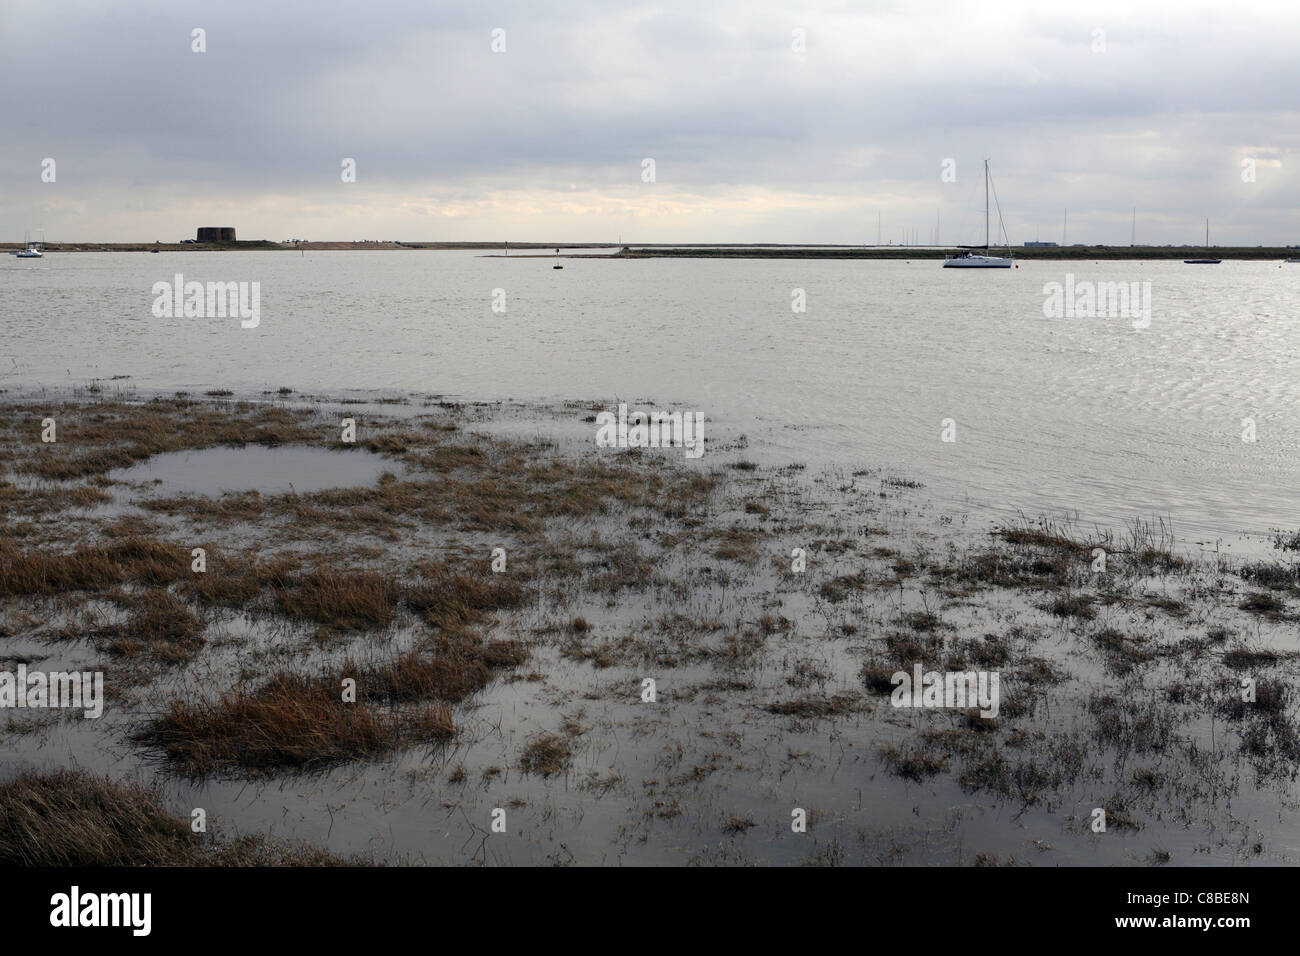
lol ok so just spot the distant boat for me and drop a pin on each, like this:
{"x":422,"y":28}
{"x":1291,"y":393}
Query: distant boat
{"x":557,"y":260}
{"x":972,"y":260}
{"x":30,"y":250}
{"x":1203,"y":262}
{"x":1291,"y":260}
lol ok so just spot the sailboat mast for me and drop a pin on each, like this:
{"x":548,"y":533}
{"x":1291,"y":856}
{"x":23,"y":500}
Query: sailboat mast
{"x":986,"y":205}
{"x":1207,"y":234}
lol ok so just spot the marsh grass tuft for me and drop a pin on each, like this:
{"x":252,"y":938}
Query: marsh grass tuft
{"x":71,"y":818}
{"x":301,"y":722}
{"x":546,"y":754}
{"x":160,"y":626}
{"x":91,"y":567}
{"x":911,"y":765}
{"x":342,"y":598}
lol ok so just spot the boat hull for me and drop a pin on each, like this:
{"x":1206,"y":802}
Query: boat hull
{"x":977,"y":262}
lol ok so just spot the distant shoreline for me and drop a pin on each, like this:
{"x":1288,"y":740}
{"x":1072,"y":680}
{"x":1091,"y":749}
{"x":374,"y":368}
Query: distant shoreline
{"x":692,"y":250}
{"x":908,"y":253}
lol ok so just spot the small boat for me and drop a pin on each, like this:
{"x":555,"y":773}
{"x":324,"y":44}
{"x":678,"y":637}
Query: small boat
{"x":1203,"y":262}
{"x":30,"y":250}
{"x":973,"y":260}
{"x":557,"y":260}
{"x":1291,"y":260}
{"x":970,"y":260}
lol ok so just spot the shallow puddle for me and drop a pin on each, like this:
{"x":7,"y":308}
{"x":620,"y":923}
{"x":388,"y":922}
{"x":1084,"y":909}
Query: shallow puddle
{"x":211,"y":471}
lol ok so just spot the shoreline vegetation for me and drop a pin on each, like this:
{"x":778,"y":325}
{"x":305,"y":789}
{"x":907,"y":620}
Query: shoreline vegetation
{"x":498,"y":603}
{"x":527,"y":250}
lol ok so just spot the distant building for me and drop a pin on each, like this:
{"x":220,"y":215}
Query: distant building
{"x":216,"y":234}
{"x":1038,"y":245}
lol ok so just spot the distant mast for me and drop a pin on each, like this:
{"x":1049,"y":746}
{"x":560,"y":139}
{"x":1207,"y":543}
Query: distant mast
{"x":986,"y":205}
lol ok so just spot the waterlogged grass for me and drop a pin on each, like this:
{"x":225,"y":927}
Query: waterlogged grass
{"x":72,"y":818}
{"x":95,"y":439}
{"x":298,"y":721}
{"x":90,"y":567}
{"x":449,"y":599}
{"x":816,"y":707}
{"x":482,"y":589}
{"x":343,"y":599}
{"x":161,"y":627}
{"x":291,"y":719}
{"x":546,"y":754}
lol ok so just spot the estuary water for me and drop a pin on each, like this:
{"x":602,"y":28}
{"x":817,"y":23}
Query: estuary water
{"x":1109,"y":417}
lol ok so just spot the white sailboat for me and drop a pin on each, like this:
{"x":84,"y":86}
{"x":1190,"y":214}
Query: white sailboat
{"x":30,"y":250}
{"x":972,"y":260}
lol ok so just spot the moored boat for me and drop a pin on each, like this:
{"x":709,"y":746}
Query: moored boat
{"x":969,"y":259}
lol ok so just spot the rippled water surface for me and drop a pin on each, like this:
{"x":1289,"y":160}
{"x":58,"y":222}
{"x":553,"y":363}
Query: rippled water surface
{"x":1050,"y":414}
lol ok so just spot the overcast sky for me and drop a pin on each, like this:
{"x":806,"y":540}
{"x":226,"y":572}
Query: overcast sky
{"x":752,"y":140}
